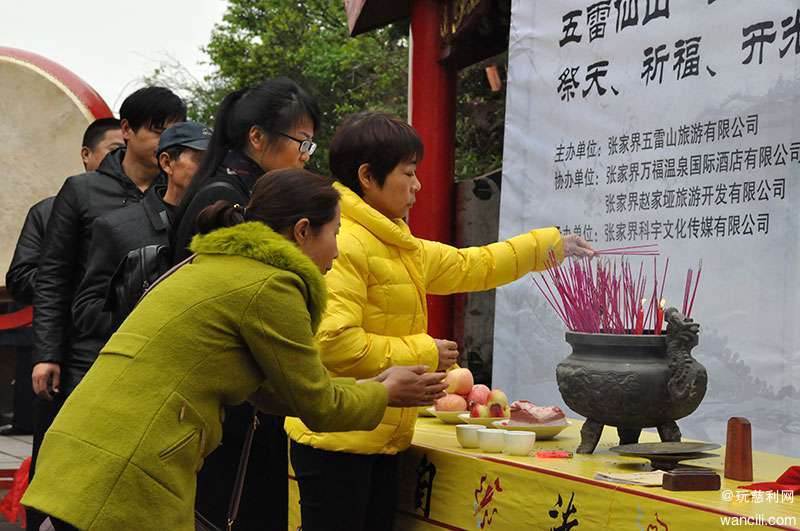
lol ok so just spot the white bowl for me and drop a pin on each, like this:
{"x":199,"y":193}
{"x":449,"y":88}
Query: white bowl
{"x":491,"y":440}
{"x":481,"y":421}
{"x":543,"y":431}
{"x":467,"y":435}
{"x":519,"y":442}
{"x":448,"y":417}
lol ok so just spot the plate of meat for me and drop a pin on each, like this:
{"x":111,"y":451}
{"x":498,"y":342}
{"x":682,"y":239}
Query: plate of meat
{"x":546,"y":422}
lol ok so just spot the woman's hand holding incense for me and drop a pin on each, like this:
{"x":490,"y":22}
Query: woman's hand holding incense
{"x":574,"y":245}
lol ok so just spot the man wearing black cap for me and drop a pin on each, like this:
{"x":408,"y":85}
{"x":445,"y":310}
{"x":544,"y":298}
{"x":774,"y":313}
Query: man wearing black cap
{"x":126,"y":235}
{"x":179,"y":153}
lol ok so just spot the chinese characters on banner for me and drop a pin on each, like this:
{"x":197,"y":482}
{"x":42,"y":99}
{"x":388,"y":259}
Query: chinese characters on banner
{"x":669,"y":122}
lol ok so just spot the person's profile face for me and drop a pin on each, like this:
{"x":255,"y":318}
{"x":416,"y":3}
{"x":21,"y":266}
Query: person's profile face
{"x":399,"y":191}
{"x":321,"y":245}
{"x":112,"y":139}
{"x":142,"y":143}
{"x":181,"y":171}
{"x":284,"y":152}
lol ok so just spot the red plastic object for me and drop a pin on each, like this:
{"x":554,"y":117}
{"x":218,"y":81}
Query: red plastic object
{"x":10,"y":507}
{"x":789,"y":480}
{"x":18,"y":319}
{"x":553,"y":454}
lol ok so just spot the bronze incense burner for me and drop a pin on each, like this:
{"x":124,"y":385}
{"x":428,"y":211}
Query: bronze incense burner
{"x":633,"y":381}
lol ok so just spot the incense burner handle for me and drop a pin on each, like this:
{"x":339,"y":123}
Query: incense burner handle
{"x":682,"y":337}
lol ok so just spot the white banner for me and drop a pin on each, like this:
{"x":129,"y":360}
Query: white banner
{"x":670,"y":122}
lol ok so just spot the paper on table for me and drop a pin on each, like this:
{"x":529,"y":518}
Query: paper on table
{"x":645,"y":479}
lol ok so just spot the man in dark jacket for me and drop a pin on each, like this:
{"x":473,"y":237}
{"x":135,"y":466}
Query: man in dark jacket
{"x":63,"y":354}
{"x":117,"y":233}
{"x":123,"y":177}
{"x":101,"y":136}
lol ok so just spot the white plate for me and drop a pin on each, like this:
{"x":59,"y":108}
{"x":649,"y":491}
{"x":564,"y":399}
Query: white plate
{"x":543,"y":431}
{"x":448,"y":417}
{"x":483,"y":421}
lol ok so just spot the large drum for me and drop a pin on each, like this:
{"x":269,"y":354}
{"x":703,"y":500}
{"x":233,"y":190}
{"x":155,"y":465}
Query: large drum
{"x":44,"y":111}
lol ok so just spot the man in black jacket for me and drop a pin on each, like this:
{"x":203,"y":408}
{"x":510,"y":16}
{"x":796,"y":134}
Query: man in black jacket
{"x":101,"y":136}
{"x":63,"y":354}
{"x":117,"y":233}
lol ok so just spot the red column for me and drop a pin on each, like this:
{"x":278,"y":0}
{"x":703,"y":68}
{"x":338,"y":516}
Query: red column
{"x":433,"y":99}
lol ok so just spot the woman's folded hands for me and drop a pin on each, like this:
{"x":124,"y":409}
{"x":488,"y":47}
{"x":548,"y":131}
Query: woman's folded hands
{"x":412,"y":386}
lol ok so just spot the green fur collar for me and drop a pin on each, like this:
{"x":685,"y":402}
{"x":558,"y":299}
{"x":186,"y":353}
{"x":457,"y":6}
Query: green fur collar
{"x":257,"y":241}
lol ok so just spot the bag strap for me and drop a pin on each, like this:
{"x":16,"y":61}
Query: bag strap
{"x":169,"y":272}
{"x":238,"y":485}
{"x":219,"y":184}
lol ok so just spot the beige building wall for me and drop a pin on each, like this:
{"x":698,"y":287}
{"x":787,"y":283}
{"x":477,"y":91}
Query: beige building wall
{"x":41,"y":127}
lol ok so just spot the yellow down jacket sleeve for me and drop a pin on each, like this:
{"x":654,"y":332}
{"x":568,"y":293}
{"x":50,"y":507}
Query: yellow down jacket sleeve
{"x":451,"y":270}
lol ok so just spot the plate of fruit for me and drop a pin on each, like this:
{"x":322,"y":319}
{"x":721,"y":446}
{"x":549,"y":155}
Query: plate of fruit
{"x":462,"y":395}
{"x":486,"y":406}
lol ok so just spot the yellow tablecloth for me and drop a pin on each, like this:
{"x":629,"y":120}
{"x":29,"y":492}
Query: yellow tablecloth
{"x":443,"y":486}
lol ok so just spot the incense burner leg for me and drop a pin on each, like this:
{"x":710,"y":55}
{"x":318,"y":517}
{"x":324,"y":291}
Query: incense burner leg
{"x":629,"y":435}
{"x":590,"y":436}
{"x":669,"y":432}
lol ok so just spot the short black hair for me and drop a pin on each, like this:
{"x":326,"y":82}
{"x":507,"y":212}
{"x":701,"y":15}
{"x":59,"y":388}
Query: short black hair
{"x":152,"y":107}
{"x":379,"y":139}
{"x":174,"y":153}
{"x":97,"y":130}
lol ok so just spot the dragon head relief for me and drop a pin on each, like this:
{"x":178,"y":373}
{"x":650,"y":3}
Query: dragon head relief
{"x":686,"y":377}
{"x":682,"y":331}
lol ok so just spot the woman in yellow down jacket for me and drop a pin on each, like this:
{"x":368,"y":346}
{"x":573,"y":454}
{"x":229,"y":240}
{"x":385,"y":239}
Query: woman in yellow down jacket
{"x":377,"y":315}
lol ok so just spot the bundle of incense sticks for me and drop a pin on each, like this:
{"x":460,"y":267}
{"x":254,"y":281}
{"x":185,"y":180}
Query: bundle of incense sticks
{"x":610,"y":295}
{"x":633,"y":250}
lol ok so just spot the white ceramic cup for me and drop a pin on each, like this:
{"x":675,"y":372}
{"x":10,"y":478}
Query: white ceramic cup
{"x":491,"y":440}
{"x":467,"y":435}
{"x":519,"y":442}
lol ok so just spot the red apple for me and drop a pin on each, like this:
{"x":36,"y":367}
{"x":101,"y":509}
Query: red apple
{"x":451,"y":403}
{"x":459,"y":381}
{"x":479,"y":394}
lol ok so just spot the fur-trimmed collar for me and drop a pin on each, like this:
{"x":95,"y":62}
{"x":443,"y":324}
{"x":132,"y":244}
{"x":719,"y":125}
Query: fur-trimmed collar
{"x":257,"y":241}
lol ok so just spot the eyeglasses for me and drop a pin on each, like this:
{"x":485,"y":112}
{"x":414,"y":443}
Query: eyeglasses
{"x":306,"y":146}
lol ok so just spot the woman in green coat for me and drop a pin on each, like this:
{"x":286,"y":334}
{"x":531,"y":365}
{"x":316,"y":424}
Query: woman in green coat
{"x":235,"y":324}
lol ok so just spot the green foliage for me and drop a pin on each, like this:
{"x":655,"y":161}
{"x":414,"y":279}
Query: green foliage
{"x":308,"y":41}
{"x":480,"y":121}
